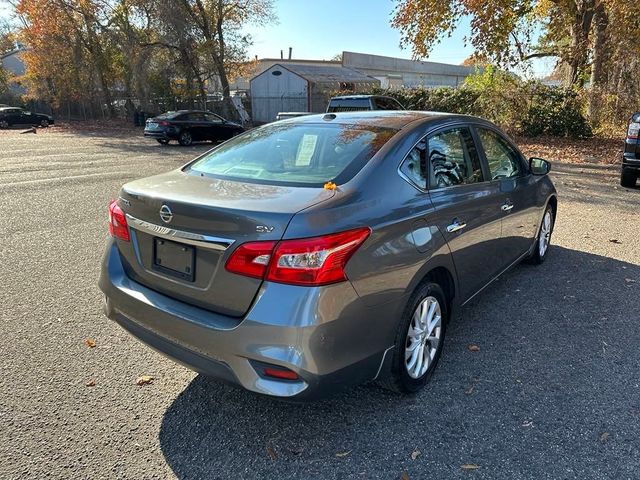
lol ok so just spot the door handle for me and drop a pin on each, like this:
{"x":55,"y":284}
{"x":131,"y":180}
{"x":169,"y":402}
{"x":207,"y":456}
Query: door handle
{"x":455,"y":226}
{"x":506,"y":207}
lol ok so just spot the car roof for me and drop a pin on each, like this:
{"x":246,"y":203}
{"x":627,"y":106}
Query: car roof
{"x":396,"y":119}
{"x":357,"y":97}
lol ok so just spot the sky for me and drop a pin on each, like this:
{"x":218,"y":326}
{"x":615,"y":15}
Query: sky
{"x":320,"y":29}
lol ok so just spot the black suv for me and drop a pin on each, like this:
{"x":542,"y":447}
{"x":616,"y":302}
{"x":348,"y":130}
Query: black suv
{"x":354,"y":103}
{"x":631,"y":155}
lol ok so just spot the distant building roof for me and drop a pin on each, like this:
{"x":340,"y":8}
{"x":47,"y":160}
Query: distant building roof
{"x":11,"y":53}
{"x":327,"y":73}
{"x":366,"y":61}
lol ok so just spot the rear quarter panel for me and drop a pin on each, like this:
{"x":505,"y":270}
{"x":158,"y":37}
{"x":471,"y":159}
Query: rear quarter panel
{"x":403,"y":245}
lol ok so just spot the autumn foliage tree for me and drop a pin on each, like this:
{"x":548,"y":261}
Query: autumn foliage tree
{"x":106,"y":53}
{"x":587,"y":37}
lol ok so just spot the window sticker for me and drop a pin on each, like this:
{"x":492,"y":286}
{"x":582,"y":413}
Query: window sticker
{"x":306,"y":149}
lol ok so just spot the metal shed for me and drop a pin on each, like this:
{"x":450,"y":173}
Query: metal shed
{"x":301,"y":88}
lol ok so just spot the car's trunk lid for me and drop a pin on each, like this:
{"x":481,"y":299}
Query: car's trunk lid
{"x":207,"y":219}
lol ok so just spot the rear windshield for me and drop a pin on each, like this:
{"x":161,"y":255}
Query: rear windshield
{"x":295,"y":154}
{"x":349,"y":105}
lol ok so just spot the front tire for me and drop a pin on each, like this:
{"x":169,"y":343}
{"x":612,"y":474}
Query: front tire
{"x":4,"y":124}
{"x":44,"y":123}
{"x":419,"y":340}
{"x":185,"y":139}
{"x":162,"y":141}
{"x":543,"y":240}
{"x":628,"y":178}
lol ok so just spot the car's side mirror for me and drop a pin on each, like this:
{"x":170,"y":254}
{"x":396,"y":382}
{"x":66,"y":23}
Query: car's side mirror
{"x":539,"y":166}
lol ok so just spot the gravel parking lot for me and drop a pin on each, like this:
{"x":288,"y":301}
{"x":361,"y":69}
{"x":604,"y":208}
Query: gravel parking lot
{"x":553,"y":392}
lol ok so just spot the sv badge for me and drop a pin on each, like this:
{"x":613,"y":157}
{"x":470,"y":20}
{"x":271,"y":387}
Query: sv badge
{"x":264,"y":229}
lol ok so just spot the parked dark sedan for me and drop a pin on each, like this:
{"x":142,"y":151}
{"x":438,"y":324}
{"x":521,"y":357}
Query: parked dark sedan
{"x":188,"y":126}
{"x":10,"y":116}
{"x":325,"y":250}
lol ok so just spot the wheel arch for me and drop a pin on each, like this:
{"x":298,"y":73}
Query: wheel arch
{"x":442,"y":273}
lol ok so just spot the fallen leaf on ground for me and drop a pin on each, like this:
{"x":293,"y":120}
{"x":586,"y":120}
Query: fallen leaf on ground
{"x":629,"y":280}
{"x":90,"y":342}
{"x":91,"y":383}
{"x":472,"y":347}
{"x":415,"y":454}
{"x":404,"y":476}
{"x":470,"y":466}
{"x":272,"y":453}
{"x":614,"y":240}
{"x":343,"y":454}
{"x":527,"y":423}
{"x":144,"y":380}
{"x":604,"y":436}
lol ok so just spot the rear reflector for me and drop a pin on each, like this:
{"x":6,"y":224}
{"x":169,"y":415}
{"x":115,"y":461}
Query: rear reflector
{"x":280,"y":373}
{"x":118,"y":227}
{"x":307,"y":261}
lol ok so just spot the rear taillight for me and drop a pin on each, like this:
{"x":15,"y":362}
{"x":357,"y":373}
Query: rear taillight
{"x":632,"y":131}
{"x":118,"y":227}
{"x":163,"y":123}
{"x":307,"y":261}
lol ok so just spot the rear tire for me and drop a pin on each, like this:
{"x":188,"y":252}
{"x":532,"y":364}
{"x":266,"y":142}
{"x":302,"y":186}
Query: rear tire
{"x":44,"y":123}
{"x":419,"y":340}
{"x":628,"y":178}
{"x":543,"y":240}
{"x":185,"y":138}
{"x":4,"y":124}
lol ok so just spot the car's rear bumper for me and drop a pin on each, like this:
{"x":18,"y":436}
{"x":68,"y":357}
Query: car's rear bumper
{"x":324,"y":334}
{"x":160,"y":134}
{"x":630,"y":162}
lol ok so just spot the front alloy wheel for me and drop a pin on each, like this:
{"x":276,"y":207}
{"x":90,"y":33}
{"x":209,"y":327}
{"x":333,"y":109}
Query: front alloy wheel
{"x":44,"y":123}
{"x":544,"y":238}
{"x":185,"y":139}
{"x":4,"y":124}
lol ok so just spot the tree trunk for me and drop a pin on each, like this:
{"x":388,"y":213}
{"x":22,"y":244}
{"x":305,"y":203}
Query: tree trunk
{"x":579,"y":54}
{"x":598,"y":74}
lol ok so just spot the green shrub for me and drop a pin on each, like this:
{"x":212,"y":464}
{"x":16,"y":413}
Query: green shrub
{"x":521,"y":107}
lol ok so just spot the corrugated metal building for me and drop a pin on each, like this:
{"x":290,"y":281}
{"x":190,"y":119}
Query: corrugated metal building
{"x":295,"y":87}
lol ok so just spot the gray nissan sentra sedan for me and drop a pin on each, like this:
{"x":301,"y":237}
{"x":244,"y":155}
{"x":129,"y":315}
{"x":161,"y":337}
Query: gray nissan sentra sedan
{"x":325,"y":250}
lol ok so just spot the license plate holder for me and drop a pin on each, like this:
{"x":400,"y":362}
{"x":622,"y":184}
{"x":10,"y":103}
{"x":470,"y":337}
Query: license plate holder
{"x":174,"y":259}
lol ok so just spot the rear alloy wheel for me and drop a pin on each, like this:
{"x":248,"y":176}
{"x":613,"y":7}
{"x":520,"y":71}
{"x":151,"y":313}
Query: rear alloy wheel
{"x":4,"y":124}
{"x":544,"y":238}
{"x":185,"y":139}
{"x":628,"y":178}
{"x":162,"y":141}
{"x":44,"y":123}
{"x":419,"y":340}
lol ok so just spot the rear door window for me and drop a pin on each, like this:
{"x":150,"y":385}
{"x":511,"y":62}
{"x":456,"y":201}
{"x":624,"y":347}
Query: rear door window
{"x":453,"y":158}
